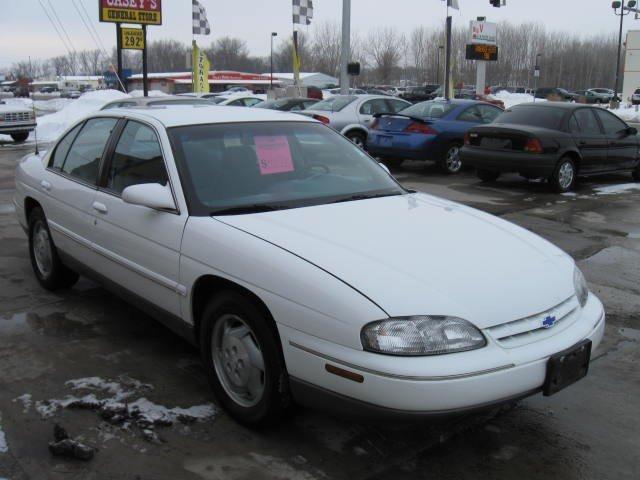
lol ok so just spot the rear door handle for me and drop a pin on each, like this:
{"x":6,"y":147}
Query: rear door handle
{"x":99,"y":207}
{"x":45,"y":185}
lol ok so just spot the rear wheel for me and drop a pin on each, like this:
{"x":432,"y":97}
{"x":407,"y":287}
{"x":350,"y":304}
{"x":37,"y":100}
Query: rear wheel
{"x":50,"y":271}
{"x":358,"y":138}
{"x":487,"y":175}
{"x":564,"y":177}
{"x":451,"y":162}
{"x":243,"y":359}
{"x":20,"y":137}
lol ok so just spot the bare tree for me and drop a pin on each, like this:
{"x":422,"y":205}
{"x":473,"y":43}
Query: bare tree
{"x":384,"y":49}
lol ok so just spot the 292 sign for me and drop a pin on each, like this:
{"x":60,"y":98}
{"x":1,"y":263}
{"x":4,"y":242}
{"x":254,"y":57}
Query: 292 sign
{"x":132,"y":39}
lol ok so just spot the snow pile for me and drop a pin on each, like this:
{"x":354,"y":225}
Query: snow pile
{"x":511,"y":99}
{"x":25,"y":400}
{"x":4,"y":447}
{"x":628,"y":113}
{"x":50,"y":127}
{"x":617,"y":189}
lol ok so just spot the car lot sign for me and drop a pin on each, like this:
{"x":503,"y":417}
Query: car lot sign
{"x":148,"y":12}
{"x":484,"y":33}
{"x":132,"y":38}
{"x":488,"y":53}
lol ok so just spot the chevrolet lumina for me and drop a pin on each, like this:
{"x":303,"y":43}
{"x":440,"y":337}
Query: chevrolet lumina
{"x":302,"y":270}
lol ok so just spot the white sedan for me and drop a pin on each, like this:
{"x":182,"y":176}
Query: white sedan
{"x":301,"y":268}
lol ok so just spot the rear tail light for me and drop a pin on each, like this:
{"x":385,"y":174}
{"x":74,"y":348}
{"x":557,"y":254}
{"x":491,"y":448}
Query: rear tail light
{"x":322,"y":118}
{"x":417,"y":127}
{"x":467,"y":139}
{"x":373,"y":124}
{"x":533,"y":145}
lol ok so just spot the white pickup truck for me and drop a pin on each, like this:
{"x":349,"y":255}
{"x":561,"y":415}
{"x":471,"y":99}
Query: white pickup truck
{"x":16,"y":121}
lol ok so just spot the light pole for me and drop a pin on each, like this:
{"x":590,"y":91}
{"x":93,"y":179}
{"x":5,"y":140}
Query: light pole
{"x":623,"y":8}
{"x":536,"y":74}
{"x":440,"y":48}
{"x":273,"y":34}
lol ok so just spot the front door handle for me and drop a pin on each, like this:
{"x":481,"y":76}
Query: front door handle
{"x":45,"y":185}
{"x":99,"y":207}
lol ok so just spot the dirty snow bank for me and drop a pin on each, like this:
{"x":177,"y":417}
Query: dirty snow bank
{"x":628,"y":113}
{"x":50,"y":127}
{"x":4,"y":447}
{"x":511,"y":99}
{"x":616,"y":189}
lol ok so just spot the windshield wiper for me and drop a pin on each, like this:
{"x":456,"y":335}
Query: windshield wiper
{"x":245,"y":209}
{"x":366,"y":196}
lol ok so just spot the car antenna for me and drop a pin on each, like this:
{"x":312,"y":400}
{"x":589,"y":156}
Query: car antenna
{"x":35,"y":130}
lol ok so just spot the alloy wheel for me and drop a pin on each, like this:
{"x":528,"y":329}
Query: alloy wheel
{"x":453,"y":162}
{"x":566,"y":175}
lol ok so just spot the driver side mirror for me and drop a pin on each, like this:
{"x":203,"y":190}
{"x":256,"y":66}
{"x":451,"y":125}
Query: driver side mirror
{"x":631,"y":131}
{"x":151,"y":195}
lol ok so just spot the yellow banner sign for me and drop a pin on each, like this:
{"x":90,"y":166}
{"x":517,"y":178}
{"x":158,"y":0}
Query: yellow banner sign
{"x":201,"y":67}
{"x":132,"y":39}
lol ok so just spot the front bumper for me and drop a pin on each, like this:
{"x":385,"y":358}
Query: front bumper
{"x":440,"y":385}
{"x":8,"y":129}
{"x":539,"y":165}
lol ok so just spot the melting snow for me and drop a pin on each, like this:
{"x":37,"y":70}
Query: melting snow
{"x":4,"y":448}
{"x":26,"y":401}
{"x":616,"y":189}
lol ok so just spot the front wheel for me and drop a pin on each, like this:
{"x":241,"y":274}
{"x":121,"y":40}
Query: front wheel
{"x":358,"y":138}
{"x":451,"y":162}
{"x":20,"y":137}
{"x":50,"y":271}
{"x":564,"y":177}
{"x":243,"y":358}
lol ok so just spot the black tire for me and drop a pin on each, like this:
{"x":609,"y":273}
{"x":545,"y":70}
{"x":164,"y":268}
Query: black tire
{"x":20,"y":137}
{"x":450,"y":162}
{"x":487,"y":175}
{"x":559,"y":182}
{"x":359,"y":138}
{"x":274,"y":399}
{"x":56,"y":275}
{"x":636,"y":173}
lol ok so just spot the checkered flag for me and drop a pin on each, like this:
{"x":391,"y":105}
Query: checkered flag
{"x":200,"y":22}
{"x":302,"y":11}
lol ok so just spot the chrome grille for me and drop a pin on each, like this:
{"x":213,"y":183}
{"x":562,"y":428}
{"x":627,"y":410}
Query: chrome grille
{"x":531,"y":329}
{"x":17,"y":116}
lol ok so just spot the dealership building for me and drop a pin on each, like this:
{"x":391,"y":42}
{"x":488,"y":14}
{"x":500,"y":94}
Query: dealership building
{"x":219,"y":80}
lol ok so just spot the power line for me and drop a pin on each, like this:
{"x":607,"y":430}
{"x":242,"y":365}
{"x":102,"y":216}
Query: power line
{"x":55,"y":14}
{"x":64,"y":43}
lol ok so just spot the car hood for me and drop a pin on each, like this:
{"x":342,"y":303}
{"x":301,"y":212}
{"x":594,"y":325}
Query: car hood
{"x":416,"y":255}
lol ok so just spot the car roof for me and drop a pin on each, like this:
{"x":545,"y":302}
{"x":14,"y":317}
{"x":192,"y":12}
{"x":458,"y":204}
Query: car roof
{"x":181,"y":115}
{"x":146,"y":100}
{"x":562,"y":105}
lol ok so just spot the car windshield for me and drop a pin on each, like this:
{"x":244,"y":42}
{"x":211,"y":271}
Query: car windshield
{"x":333,"y":104}
{"x":544,"y":117}
{"x":252,"y":167}
{"x":428,"y":109}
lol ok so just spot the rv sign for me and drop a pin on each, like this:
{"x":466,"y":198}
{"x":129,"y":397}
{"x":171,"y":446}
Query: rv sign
{"x":484,"y":33}
{"x":146,"y":12}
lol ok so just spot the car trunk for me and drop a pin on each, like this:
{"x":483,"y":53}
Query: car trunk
{"x":495,"y":137}
{"x":398,"y":123}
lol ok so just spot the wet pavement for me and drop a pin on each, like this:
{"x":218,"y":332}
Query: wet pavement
{"x":61,"y":353}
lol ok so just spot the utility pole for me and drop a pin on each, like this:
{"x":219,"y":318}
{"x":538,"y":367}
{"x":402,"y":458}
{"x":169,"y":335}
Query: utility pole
{"x":447,"y":60}
{"x":273,"y":34}
{"x":345,"y":52}
{"x":628,"y":8}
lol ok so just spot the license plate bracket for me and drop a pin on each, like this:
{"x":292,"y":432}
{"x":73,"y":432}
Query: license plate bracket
{"x":567,"y":367}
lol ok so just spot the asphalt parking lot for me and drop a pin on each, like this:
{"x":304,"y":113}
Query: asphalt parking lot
{"x":56,"y":348}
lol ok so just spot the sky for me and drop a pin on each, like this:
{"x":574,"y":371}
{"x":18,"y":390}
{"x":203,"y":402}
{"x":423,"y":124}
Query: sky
{"x":26,"y":31}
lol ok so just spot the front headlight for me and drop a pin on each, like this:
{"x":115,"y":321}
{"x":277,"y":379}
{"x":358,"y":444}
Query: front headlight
{"x":580,"y":284}
{"x":421,"y":335}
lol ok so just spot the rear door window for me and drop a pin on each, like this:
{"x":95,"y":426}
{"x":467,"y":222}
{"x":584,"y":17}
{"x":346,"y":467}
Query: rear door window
{"x":371,"y":107}
{"x":83,"y":159}
{"x":62,"y":149}
{"x":488,"y":113}
{"x":573,"y":125}
{"x":397,"y":105}
{"x":471,"y":114}
{"x":587,"y":122}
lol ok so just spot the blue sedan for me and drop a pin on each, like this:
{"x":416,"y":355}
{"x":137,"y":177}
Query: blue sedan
{"x":432,"y":130}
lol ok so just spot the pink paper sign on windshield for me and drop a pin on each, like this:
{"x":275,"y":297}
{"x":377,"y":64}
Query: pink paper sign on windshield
{"x":274,"y":154}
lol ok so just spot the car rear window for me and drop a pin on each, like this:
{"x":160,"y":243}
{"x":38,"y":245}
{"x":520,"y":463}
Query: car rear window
{"x":334,"y":104}
{"x":544,"y":117}
{"x":429,"y":109}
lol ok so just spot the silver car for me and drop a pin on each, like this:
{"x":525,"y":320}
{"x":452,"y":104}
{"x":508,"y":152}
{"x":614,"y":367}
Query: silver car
{"x":351,"y":114}
{"x":163,"y":100}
